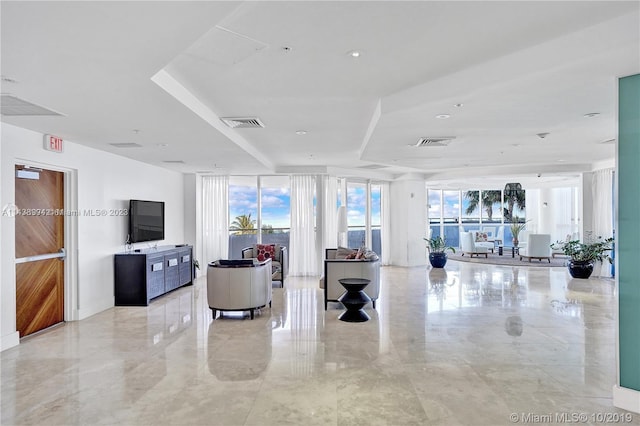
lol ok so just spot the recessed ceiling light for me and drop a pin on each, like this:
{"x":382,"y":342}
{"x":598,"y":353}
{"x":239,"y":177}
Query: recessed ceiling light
{"x":301,"y":132}
{"x":354,"y":53}
{"x":591,"y":114}
{"x":458,"y":105}
{"x":443,"y":116}
{"x":560,"y":160}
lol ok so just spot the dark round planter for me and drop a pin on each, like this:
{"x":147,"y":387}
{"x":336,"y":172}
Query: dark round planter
{"x":580,"y":269}
{"x":438,"y":260}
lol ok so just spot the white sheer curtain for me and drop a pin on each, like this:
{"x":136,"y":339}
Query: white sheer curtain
{"x":302,"y":253}
{"x":385,"y":222}
{"x":215,"y":218}
{"x":602,"y":191}
{"x":562,"y":211}
{"x":330,"y":215}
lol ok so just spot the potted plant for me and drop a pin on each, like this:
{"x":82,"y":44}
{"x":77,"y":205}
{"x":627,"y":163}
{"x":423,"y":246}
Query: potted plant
{"x":583,"y":255}
{"x":516,"y":227}
{"x":437,"y":248}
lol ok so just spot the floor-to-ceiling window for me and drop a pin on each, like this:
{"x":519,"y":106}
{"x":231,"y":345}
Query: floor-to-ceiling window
{"x":259,"y":211}
{"x":364,"y":213}
{"x":453,"y":211}
{"x":275,"y":212}
{"x":471,"y":206}
{"x":243,"y":214}
{"x":451,"y":204}
{"x":356,"y":213}
{"x":434,"y":211}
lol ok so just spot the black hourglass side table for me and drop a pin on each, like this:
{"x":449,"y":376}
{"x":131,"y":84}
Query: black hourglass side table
{"x":354,"y":299}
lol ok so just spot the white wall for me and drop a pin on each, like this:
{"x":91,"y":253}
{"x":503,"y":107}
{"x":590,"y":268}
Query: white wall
{"x":101,"y":181}
{"x":408,"y":199}
{"x":190,"y":209}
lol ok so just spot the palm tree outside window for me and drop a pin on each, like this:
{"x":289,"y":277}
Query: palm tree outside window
{"x":243,"y":224}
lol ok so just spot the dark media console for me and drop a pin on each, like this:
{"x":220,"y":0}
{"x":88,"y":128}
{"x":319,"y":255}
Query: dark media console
{"x":147,"y":273}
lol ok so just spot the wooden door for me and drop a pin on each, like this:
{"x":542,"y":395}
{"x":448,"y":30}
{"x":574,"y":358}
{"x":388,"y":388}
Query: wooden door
{"x":39,"y":249}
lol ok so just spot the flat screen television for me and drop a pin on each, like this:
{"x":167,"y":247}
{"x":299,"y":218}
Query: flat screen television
{"x":146,"y":221}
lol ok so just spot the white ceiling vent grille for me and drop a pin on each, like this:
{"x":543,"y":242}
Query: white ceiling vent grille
{"x":435,"y":141}
{"x":13,"y":106}
{"x":126,"y":145}
{"x":242,"y":122}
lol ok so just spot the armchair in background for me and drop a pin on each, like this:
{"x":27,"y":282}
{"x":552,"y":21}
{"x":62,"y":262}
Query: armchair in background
{"x":482,"y":239}
{"x":490,"y":231}
{"x":278,"y":255}
{"x":538,"y":247}
{"x":469,"y":246}
{"x":236,"y":286}
{"x":336,"y":269}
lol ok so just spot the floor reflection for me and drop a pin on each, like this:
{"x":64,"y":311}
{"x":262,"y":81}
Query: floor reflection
{"x":239,"y":353}
{"x":466,"y":344}
{"x":470,"y":286}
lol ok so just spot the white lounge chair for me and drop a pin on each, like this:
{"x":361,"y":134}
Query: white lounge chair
{"x":469,"y":246}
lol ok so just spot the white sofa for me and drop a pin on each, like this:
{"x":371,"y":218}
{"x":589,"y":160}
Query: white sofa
{"x":538,"y":247}
{"x":335,"y":269}
{"x":469,"y":246}
{"x":245,"y":286}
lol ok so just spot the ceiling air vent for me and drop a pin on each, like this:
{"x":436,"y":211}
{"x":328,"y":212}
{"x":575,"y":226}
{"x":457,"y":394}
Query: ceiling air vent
{"x":11,"y":105}
{"x":242,"y":122}
{"x":173,"y":161}
{"x":126,"y":145}
{"x":435,"y":141}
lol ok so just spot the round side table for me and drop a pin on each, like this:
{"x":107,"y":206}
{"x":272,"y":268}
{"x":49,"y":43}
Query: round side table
{"x":354,"y":299}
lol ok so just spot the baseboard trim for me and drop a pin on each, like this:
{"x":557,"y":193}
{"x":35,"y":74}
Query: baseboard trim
{"x":9,"y":341}
{"x":627,"y":399}
{"x":97,"y":308}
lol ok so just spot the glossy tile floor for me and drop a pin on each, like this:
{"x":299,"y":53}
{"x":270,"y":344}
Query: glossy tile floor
{"x":469,"y":346}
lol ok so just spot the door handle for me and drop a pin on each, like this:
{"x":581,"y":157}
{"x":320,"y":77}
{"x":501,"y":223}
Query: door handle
{"x":61,"y":254}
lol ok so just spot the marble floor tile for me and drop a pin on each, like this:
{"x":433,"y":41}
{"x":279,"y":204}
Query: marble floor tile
{"x":471,"y":345}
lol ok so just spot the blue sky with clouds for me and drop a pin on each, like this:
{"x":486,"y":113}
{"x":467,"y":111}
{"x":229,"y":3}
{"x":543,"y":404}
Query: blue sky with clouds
{"x":276,"y":204}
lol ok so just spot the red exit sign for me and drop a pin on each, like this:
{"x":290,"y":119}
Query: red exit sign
{"x":52,"y":143}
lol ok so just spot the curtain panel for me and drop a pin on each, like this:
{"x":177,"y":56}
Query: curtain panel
{"x":330,"y":216}
{"x":302,"y":254}
{"x":602,"y":191}
{"x":385,"y":222}
{"x":215,"y":217}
